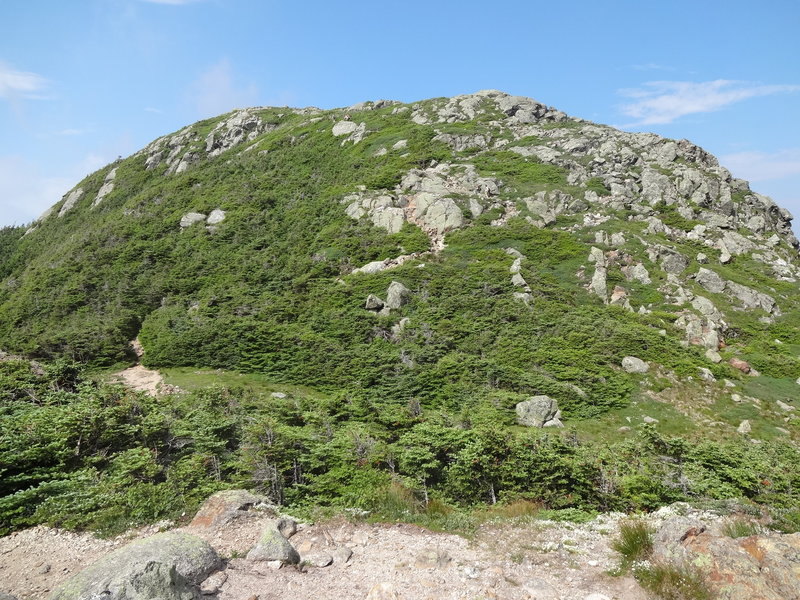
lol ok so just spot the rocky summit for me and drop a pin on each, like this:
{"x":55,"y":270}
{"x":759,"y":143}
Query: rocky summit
{"x":412,"y":312}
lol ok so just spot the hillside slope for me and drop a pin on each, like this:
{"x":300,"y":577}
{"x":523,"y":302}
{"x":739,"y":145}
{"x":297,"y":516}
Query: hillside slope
{"x":425,"y":268}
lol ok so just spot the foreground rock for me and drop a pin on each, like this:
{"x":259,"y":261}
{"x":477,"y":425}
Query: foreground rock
{"x":167,"y":566}
{"x":766,"y":567}
{"x":273,"y":545}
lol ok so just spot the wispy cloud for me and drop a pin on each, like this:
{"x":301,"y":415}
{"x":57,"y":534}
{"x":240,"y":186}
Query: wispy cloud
{"x":660,"y":102}
{"x":763,"y":166}
{"x":651,"y":67}
{"x":27,"y":191}
{"x":216,"y":91}
{"x":20,"y":84}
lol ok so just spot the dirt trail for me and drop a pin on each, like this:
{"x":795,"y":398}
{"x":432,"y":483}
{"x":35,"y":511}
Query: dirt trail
{"x":545,"y":561}
{"x":141,"y":379}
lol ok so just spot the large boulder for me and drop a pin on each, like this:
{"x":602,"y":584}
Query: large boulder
{"x":397,"y":295}
{"x":539,"y":411}
{"x":167,"y":566}
{"x":758,"y":566}
{"x":225,"y":506}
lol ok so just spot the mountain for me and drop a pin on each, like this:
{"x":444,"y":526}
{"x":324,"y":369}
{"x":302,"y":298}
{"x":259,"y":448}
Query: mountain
{"x":439,"y":264}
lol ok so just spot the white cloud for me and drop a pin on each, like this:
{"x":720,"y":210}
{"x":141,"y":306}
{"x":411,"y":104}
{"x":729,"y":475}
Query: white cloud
{"x":20,"y":84}
{"x":763,"y":166}
{"x":652,"y":67}
{"x":659,"y":102}
{"x":25,"y":192}
{"x":216,"y":92}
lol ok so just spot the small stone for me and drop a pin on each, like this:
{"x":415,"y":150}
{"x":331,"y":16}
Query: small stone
{"x":373,"y":303}
{"x":45,"y":568}
{"x":593,"y":563}
{"x":707,"y":375}
{"x":213,"y":584}
{"x":650,"y":420}
{"x":624,"y":429}
{"x":319,"y":560}
{"x":382,"y":591}
{"x":784,"y":406}
{"x":278,"y":395}
{"x":287,"y":527}
{"x":738,"y":363}
{"x":597,"y":596}
{"x":736,"y":398}
{"x":713,"y":356}
{"x":744,"y":427}
{"x":341,"y":555}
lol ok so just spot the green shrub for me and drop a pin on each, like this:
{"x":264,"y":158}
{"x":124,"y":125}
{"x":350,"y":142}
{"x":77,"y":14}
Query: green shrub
{"x":634,"y":543}
{"x":674,"y":582}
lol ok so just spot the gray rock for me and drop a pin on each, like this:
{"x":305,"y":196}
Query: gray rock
{"x":374,"y":303}
{"x":707,"y":375}
{"x":710,"y":281}
{"x":344,"y":128}
{"x":319,"y":560}
{"x":373,"y":267}
{"x":649,"y":420}
{"x":286,"y":526}
{"x":631,"y":364}
{"x":191,"y":218}
{"x":744,"y":427}
{"x":713,"y":356}
{"x":70,"y":200}
{"x":106,"y":188}
{"x":167,"y":565}
{"x":783,"y":406}
{"x":639,"y":273}
{"x":397,"y":295}
{"x":217,"y":216}
{"x":538,"y":411}
{"x":273,"y":546}
{"x":342,"y":555}
{"x":674,"y":262}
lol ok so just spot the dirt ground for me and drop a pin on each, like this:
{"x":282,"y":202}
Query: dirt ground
{"x":542,"y":561}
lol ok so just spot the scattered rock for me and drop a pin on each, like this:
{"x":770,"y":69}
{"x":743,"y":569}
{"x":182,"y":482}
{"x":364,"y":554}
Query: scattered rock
{"x":382,"y":591}
{"x":783,"y":406}
{"x":539,"y":411}
{"x":706,"y":375}
{"x":397,"y":295}
{"x":374,"y":303}
{"x":273,"y":546}
{"x":342,"y":555}
{"x":214,"y":583}
{"x":319,"y":560}
{"x":191,"y":218}
{"x":216,"y":216}
{"x":650,"y":420}
{"x":741,"y":365}
{"x":744,"y":427}
{"x":713,"y":356}
{"x":631,"y":364}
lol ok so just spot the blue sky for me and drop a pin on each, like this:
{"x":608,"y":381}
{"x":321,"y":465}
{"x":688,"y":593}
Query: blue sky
{"x":84,"y":81}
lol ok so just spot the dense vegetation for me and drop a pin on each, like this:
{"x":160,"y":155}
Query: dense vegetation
{"x":413,"y":408}
{"x":80,"y":454}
